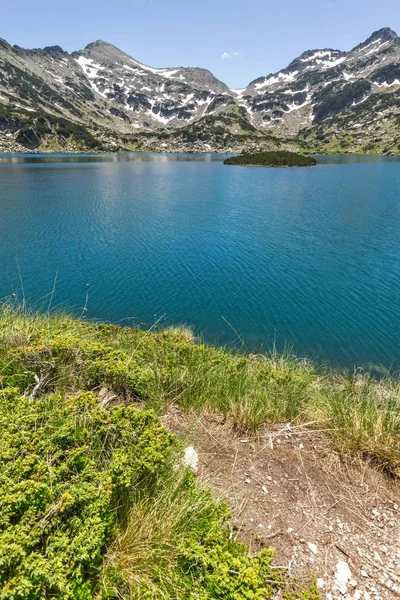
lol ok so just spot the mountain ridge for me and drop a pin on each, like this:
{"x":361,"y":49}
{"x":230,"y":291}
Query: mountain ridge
{"x":324,"y":99}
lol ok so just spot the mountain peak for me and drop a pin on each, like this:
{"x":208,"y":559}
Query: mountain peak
{"x":99,"y":44}
{"x":384,"y":35}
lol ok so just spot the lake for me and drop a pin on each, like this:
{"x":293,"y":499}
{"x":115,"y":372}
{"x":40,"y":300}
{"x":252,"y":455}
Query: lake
{"x":304,"y":257}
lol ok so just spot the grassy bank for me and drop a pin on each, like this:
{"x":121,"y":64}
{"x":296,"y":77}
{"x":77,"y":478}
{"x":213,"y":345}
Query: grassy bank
{"x":94,"y":502}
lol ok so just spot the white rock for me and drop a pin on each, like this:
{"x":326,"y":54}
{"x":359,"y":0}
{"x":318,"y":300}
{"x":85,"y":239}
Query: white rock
{"x":191,"y":459}
{"x":264,"y":489}
{"x":312,"y":547}
{"x":342,"y":576}
{"x":364,"y":573}
{"x":353,"y":583}
{"x":377,"y":558}
{"x":290,"y":530}
{"x":358,"y":595}
{"x":247,"y":481}
{"x":320,"y":583}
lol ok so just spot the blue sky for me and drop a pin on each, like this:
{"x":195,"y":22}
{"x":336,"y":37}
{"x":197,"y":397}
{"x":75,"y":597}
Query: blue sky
{"x":260,"y":36}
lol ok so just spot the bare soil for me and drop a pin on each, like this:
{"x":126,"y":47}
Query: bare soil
{"x":332,"y":518}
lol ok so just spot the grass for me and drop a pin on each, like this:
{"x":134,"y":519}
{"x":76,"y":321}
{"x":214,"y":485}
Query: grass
{"x":94,"y":501}
{"x":167,"y":367}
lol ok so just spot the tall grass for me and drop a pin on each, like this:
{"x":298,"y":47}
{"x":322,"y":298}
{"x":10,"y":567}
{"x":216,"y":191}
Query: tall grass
{"x":167,"y":367}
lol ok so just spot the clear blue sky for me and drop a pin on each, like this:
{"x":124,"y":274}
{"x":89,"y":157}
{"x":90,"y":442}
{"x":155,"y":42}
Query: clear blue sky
{"x":261,"y":36}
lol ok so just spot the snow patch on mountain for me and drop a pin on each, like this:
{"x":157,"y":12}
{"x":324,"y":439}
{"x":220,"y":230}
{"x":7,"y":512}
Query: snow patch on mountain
{"x":279,"y":78}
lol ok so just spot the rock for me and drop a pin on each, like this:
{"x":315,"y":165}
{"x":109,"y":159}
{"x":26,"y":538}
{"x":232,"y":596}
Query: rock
{"x":28,"y":138}
{"x":248,"y":481}
{"x":364,"y":573}
{"x":191,"y":459}
{"x":264,"y":489}
{"x":377,"y":557}
{"x":320,"y":583}
{"x":313,"y":548}
{"x":342,"y":576}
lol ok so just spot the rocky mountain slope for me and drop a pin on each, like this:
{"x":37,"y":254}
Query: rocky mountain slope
{"x":101,"y":98}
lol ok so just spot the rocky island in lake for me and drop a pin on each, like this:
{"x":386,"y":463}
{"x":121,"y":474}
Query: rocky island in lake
{"x":271,"y":159}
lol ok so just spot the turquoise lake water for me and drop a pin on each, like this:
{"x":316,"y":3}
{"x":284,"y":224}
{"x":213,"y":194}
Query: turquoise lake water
{"x":305,"y":257}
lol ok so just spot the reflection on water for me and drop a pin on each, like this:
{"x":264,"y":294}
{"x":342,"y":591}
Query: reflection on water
{"x":111,"y":157}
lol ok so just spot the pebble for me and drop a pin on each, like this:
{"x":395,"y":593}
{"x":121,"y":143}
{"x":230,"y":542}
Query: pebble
{"x":313,"y":548}
{"x":342,"y":576}
{"x":191,"y":459}
{"x":377,"y":558}
{"x":247,"y":481}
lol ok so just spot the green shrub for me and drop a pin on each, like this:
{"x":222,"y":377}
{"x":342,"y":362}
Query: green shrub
{"x":65,"y":465}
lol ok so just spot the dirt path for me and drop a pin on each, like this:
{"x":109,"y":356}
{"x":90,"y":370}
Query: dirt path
{"x":287,"y":487}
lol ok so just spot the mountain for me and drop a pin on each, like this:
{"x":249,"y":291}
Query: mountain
{"x":102,"y":98}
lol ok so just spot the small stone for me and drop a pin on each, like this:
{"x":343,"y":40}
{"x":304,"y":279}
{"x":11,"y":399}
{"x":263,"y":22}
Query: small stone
{"x":389,"y":584}
{"x":191,"y":459}
{"x":264,"y":489}
{"x":377,"y":558}
{"x":290,"y":530}
{"x":301,"y":446}
{"x":313,"y":548}
{"x":364,"y":573}
{"x":342,"y":576}
{"x":353,"y":583}
{"x":260,"y":525}
{"x":358,"y":595}
{"x":244,"y":441}
{"x":384,"y":549}
{"x":375,"y":512}
{"x":320,"y":583}
{"x":247,"y":481}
